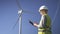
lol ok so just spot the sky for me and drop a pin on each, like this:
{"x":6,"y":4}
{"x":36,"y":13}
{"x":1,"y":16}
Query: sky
{"x":9,"y":15}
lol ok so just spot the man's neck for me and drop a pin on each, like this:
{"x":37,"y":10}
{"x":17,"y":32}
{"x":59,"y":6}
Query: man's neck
{"x":44,"y":14}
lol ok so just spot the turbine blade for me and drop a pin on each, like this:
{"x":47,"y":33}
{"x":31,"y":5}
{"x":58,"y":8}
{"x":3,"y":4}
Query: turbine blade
{"x":18,"y":4}
{"x":29,"y":12}
{"x":15,"y":23}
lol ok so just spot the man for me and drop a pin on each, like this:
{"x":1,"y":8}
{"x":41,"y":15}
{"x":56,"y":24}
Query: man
{"x":44,"y":27}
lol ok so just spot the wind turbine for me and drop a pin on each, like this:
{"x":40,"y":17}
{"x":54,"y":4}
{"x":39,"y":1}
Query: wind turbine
{"x":20,"y":12}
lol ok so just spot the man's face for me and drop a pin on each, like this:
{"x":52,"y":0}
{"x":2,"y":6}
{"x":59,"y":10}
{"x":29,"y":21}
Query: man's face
{"x":42,"y":12}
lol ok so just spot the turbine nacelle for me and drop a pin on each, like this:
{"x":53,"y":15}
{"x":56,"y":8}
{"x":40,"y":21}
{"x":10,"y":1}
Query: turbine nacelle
{"x":20,"y":11}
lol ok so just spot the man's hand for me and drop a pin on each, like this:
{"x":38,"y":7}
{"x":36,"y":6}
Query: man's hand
{"x":35,"y":24}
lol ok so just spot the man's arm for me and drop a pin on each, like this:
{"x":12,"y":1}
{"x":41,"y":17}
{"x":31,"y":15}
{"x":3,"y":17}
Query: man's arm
{"x":42,"y":22}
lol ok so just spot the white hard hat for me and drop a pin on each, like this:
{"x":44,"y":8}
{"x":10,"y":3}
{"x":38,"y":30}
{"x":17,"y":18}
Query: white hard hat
{"x":43,"y":7}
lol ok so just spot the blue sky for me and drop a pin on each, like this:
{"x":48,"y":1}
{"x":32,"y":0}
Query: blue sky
{"x":9,"y":15}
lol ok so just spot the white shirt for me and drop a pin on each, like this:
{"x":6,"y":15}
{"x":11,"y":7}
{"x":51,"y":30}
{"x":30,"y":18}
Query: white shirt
{"x":41,"y":21}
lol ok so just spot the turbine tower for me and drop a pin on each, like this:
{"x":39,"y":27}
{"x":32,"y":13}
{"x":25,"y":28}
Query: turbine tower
{"x":20,"y":21}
